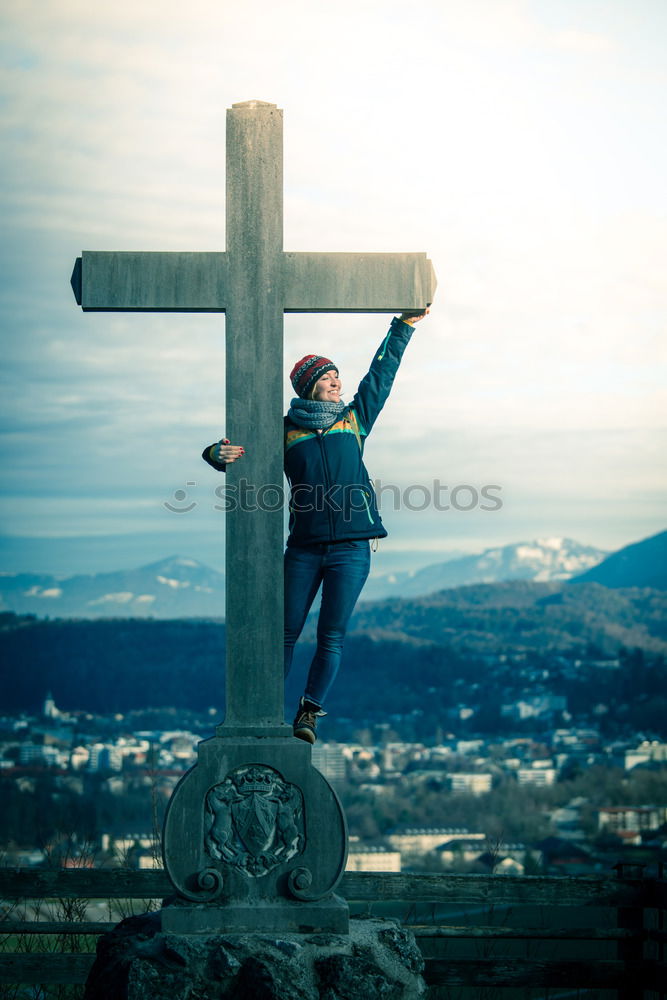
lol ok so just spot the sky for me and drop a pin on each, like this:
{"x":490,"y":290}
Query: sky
{"x":519,"y":143}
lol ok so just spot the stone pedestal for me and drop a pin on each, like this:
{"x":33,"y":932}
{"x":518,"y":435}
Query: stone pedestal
{"x":376,"y":960}
{"x":255,"y":839}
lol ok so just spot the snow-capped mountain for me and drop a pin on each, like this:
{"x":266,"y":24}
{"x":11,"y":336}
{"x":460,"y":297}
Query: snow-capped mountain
{"x":542,"y":560}
{"x":172,"y":588}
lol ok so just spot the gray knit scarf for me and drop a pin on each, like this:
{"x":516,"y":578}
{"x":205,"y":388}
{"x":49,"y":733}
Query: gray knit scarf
{"x":314,"y":414}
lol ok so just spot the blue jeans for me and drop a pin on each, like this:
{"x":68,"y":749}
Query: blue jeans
{"x":342,"y":569}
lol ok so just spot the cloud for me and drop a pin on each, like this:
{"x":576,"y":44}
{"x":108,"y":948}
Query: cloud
{"x":520,"y":144}
{"x":589,"y":42}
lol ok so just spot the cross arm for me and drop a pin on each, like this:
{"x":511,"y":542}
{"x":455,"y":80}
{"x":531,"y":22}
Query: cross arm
{"x":108,"y":281}
{"x":357,"y":282}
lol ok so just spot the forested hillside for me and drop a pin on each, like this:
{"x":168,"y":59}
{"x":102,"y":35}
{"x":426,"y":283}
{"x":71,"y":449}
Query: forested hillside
{"x":523,"y":616}
{"x":483,"y":646}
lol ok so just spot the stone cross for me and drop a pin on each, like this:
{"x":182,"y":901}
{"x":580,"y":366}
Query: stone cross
{"x":254,"y":283}
{"x":254,"y":837}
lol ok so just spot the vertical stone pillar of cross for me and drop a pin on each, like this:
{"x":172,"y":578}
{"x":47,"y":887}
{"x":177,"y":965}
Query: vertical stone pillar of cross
{"x":254,"y":353}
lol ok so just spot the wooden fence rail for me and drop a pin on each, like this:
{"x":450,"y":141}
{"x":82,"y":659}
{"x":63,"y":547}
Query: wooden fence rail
{"x":620,"y":946}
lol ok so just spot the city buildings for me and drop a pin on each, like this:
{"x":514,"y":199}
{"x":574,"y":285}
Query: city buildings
{"x":114,"y":781}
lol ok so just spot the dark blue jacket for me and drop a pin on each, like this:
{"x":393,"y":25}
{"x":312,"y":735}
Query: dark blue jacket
{"x":332,"y":498}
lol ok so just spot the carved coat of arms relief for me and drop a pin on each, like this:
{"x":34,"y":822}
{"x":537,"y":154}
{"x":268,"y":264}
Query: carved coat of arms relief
{"x":254,"y":820}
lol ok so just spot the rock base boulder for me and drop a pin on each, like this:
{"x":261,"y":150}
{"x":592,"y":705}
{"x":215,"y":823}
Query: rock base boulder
{"x":377,"y":960}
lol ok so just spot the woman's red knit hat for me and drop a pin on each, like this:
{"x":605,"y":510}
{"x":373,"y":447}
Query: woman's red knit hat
{"x":307,"y":371}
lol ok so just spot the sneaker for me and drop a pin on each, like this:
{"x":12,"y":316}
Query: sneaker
{"x":305,"y":722}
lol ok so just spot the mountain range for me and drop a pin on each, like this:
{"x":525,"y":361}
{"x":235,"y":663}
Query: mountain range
{"x":178,"y":587}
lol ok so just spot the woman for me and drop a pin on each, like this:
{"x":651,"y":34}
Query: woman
{"x":333,"y":512}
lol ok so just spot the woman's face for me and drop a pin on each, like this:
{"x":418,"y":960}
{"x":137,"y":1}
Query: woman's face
{"x":328,"y":388}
